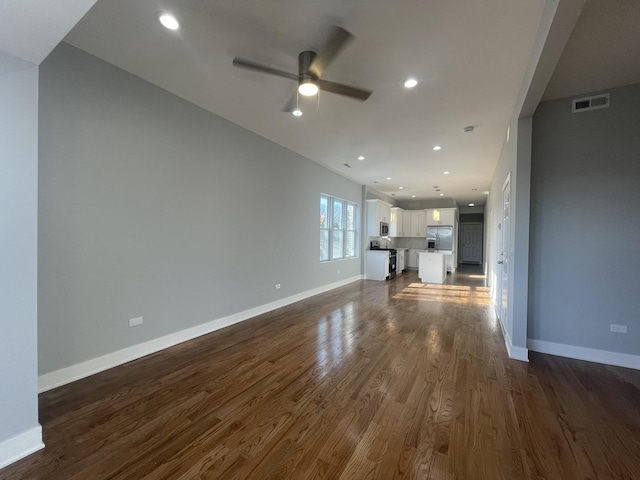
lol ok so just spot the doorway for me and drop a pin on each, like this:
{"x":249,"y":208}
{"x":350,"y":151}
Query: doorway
{"x":471,"y":242}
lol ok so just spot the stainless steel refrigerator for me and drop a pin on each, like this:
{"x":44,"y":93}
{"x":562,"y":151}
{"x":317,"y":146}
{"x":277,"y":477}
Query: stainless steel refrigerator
{"x":439,"y":239}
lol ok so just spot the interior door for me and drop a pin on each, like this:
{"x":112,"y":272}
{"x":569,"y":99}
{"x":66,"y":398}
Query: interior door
{"x":471,"y":239}
{"x":503,"y":260}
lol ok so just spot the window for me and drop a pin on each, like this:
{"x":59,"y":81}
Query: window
{"x":338,"y":229}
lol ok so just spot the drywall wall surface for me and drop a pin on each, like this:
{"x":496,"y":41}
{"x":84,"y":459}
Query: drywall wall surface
{"x":585,"y":195}
{"x":18,"y":256}
{"x":150,"y":206}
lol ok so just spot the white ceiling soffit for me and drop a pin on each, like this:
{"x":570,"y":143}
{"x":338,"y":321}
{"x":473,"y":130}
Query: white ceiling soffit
{"x":30,"y":29}
{"x":468,"y":56}
{"x":603,"y":50}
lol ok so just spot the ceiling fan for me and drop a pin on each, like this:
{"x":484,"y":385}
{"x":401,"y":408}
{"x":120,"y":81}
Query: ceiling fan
{"x":311,"y":66}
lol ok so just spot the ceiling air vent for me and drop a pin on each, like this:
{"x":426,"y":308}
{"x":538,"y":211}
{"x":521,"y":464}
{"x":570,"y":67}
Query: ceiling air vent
{"x":590,"y":103}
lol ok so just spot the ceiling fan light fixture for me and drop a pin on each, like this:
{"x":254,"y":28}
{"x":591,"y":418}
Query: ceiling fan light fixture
{"x":308,"y":87}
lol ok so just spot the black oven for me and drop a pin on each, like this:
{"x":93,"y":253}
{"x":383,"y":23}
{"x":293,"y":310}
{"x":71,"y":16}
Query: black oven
{"x":392,"y":264}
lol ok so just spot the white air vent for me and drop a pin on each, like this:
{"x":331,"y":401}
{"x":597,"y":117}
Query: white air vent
{"x":590,"y":103}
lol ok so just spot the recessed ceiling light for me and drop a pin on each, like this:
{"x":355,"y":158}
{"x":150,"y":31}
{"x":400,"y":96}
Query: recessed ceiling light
{"x":168,"y":21}
{"x":413,"y":196}
{"x":361,"y":157}
{"x":442,"y":194}
{"x":400,"y":188}
{"x":297,"y":112}
{"x":446,"y":172}
{"x":388,"y":178}
{"x":437,"y":147}
{"x":410,"y":83}
{"x":486,"y":192}
{"x":472,"y":204}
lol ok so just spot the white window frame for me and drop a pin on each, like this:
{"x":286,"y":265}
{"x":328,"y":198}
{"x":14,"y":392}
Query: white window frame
{"x":331,"y":200}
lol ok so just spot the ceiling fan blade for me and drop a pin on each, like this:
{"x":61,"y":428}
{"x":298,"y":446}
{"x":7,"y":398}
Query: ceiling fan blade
{"x":249,"y":65}
{"x":338,"y":40}
{"x":345,"y":90}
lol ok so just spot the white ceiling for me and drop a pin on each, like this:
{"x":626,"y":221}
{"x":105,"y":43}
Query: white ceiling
{"x":30,"y":29}
{"x":469,"y":56}
{"x":603,"y":50}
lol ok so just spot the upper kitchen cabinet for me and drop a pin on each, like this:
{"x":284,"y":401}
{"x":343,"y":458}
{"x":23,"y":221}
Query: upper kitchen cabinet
{"x":414,"y":223}
{"x":377,"y":212}
{"x":418,"y":224}
{"x":396,"y":225}
{"x":441,"y":216}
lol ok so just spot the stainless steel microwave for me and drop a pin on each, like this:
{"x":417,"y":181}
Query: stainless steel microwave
{"x":384,"y":229}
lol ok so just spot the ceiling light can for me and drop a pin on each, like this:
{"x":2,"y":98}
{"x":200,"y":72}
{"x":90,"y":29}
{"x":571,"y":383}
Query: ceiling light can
{"x":168,"y":21}
{"x":410,"y":83}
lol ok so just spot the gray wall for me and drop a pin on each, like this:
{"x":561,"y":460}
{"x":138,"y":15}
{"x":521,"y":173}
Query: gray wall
{"x":18,"y":249}
{"x":150,"y":206}
{"x":585,"y":261}
{"x":424,"y":204}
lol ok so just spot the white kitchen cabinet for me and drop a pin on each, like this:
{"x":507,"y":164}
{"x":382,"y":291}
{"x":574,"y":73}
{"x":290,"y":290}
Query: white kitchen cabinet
{"x":441,"y":216}
{"x":406,"y":223}
{"x":431,"y":267}
{"x":418,"y":224}
{"x":396,"y":222}
{"x":412,"y":260}
{"x":377,"y":266}
{"x":377,"y":212}
{"x":400,"y":261}
{"x":450,"y":262}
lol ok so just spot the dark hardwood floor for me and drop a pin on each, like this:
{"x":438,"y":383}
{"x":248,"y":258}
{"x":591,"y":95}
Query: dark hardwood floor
{"x":375,"y":380}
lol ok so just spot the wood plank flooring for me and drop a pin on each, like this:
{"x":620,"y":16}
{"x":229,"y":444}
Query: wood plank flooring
{"x":375,"y":380}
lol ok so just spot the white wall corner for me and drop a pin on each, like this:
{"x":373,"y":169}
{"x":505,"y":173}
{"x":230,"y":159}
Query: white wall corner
{"x":515,"y":353}
{"x":95,"y":365}
{"x":15,"y":448}
{"x":583,"y":353}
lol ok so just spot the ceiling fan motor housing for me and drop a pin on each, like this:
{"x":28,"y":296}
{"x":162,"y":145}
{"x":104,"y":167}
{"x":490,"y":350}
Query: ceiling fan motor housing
{"x":304,"y":63}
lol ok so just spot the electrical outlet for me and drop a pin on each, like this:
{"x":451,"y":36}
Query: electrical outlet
{"x":277,"y":286}
{"x":618,"y":328}
{"x":133,"y":322}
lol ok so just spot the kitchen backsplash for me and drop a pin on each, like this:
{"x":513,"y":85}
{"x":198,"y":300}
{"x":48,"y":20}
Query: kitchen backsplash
{"x":408,"y":242}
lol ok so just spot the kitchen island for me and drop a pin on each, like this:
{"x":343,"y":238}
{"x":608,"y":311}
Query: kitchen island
{"x":432,"y":267}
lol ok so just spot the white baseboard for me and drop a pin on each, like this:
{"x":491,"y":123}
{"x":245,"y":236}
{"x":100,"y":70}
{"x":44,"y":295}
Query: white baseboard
{"x":584,"y":353}
{"x":84,"y":369}
{"x":15,"y":448}
{"x":516,"y":353}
